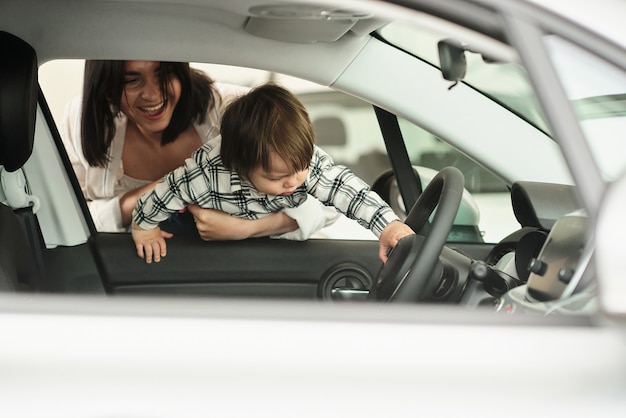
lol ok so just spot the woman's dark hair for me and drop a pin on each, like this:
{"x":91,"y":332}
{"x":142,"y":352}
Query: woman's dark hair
{"x":267,"y":119}
{"x":102,"y":94}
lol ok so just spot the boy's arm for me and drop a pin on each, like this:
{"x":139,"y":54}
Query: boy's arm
{"x":169,"y":195}
{"x":390,"y":236}
{"x":172,"y":193}
{"x":338,"y":186}
{"x":128,"y":201}
{"x":150,"y":243}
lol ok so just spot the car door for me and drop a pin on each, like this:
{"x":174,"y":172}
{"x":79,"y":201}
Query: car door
{"x":341,"y":263}
{"x":262,"y":267}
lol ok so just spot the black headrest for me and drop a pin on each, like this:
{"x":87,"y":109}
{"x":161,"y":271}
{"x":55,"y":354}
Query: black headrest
{"x":540,"y":205}
{"x":18,"y":100}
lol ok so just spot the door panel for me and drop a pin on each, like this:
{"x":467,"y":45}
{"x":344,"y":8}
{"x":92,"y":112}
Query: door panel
{"x":254,"y":267}
{"x":260,"y":267}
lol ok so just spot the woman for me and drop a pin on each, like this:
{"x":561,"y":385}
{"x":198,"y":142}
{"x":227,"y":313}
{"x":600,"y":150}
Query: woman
{"x":137,"y":121}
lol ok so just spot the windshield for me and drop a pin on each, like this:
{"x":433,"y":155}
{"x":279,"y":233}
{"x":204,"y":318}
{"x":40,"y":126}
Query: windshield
{"x":503,"y":82}
{"x":597,"y":90}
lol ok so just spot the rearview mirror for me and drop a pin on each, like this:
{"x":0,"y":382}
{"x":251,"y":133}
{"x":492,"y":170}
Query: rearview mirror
{"x":452,"y":59}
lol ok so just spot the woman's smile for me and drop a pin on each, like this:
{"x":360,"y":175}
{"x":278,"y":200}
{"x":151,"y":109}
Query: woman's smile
{"x":146,"y":102}
{"x":153,"y":109}
{"x":154,"y":112}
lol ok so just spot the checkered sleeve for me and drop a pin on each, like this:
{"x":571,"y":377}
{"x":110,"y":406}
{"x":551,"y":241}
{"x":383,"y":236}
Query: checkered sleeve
{"x":336,"y":185}
{"x":176,"y":190}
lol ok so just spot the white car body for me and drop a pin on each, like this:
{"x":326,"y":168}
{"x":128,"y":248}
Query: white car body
{"x":83,"y":356}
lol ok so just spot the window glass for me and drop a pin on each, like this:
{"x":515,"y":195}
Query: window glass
{"x":504,"y":82}
{"x":347,"y":128}
{"x":597,"y":90}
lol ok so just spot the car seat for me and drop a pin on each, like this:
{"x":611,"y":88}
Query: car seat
{"x":18,"y":104}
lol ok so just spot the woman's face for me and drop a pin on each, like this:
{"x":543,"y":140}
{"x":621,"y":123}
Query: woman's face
{"x":142,"y":101}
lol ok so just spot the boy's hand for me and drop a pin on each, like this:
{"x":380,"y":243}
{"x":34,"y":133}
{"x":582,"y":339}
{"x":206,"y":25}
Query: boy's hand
{"x":390,"y":236}
{"x":150,"y":243}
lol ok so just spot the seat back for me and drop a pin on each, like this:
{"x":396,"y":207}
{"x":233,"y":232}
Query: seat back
{"x":18,"y":100}
{"x":18,"y":106}
{"x":18,"y":271}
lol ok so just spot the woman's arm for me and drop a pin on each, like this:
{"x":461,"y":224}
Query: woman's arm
{"x":216,"y":225}
{"x":128,"y":201}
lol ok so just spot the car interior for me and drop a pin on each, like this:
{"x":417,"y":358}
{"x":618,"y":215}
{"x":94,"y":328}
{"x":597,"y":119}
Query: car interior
{"x":493,"y":128}
{"x":426,"y":268}
{"x":19,"y":270}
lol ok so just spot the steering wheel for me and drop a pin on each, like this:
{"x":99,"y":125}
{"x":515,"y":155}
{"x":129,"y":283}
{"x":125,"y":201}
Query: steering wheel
{"x":409,"y":274}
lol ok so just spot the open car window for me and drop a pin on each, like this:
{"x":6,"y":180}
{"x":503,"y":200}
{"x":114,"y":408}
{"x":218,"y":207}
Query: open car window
{"x":347,"y":128}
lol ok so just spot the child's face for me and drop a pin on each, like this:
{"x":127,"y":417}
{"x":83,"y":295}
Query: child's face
{"x":280,"y":180}
{"x":142,"y":101}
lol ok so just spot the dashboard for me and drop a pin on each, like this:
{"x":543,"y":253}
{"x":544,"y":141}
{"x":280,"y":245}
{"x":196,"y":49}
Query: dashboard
{"x":550,"y":252}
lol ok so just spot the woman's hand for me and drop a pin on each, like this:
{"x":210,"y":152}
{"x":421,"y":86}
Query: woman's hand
{"x":150,"y":243}
{"x":215,"y":225}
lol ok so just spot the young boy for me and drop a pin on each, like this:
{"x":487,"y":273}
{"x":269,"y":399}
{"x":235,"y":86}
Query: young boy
{"x":266,"y":161}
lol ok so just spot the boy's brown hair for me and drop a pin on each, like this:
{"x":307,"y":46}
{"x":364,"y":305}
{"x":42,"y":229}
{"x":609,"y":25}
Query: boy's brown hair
{"x":268,"y":118}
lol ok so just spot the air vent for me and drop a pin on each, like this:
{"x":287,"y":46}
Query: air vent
{"x":345,"y":281}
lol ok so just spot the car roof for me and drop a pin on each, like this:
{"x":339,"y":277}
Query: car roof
{"x":588,"y":14}
{"x":179,"y":29}
{"x":166,"y":30}
{"x":221,"y":32}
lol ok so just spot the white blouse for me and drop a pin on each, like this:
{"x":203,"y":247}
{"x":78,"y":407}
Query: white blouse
{"x":103,"y":186}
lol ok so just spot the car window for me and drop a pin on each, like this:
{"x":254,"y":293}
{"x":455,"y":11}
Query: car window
{"x":504,"y":82}
{"x":597,"y":90}
{"x":347,"y":128}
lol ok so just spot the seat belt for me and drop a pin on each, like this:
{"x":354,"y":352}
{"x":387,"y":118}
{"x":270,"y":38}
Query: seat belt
{"x":25,"y":205}
{"x":408,"y":180}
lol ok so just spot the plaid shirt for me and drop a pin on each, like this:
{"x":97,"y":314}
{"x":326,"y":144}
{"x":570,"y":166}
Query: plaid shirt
{"x":204,"y":181}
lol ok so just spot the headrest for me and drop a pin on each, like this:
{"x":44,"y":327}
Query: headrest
{"x":540,"y":205}
{"x":18,"y":100}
